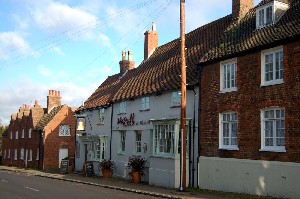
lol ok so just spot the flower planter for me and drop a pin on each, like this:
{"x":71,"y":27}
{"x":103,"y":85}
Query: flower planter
{"x":135,"y":177}
{"x":106,"y":173}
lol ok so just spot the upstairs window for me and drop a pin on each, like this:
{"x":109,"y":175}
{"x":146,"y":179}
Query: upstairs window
{"x":101,"y":115}
{"x":145,"y":102}
{"x":228,"y":76}
{"x":122,"y":108}
{"x":270,"y":13}
{"x":272,"y":66}
{"x":17,"y":135}
{"x":64,"y":130}
{"x":175,"y":99}
{"x":29,"y":133}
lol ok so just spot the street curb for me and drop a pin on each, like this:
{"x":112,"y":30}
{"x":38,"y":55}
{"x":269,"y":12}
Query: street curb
{"x":113,"y":187}
{"x":101,"y":185}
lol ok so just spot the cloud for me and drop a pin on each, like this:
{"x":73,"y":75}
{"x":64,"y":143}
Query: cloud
{"x":58,"y":18}
{"x":45,"y":72}
{"x":12,"y":43}
{"x":57,"y":50}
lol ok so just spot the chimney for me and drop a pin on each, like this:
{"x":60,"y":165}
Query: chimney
{"x":126,"y":64}
{"x":240,"y":8}
{"x":21,"y":111}
{"x":151,"y":41}
{"x":53,"y":100}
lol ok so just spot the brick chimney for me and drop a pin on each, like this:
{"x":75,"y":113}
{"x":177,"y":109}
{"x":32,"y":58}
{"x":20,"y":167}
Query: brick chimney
{"x":240,"y":8}
{"x":53,"y":100}
{"x":151,"y":41}
{"x":36,"y":112}
{"x":21,"y":111}
{"x":126,"y":64}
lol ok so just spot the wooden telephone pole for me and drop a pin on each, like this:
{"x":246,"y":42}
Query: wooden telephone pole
{"x":183,"y":96}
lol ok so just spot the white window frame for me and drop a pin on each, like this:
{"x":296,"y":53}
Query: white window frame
{"x":231,"y":120}
{"x":4,"y":155}
{"x":16,"y":154}
{"x":30,"y":155}
{"x":145,"y":103}
{"x":280,"y":72}
{"x":138,"y":141}
{"x":122,"y":145}
{"x":122,"y":107}
{"x":97,"y":148}
{"x":64,"y":130}
{"x":278,"y":116}
{"x":23,"y":133}
{"x":17,"y":135}
{"x":8,"y":154}
{"x":262,"y":19}
{"x":230,"y":75}
{"x":175,"y":99}
{"x":37,"y":153}
{"x":101,"y":115}
{"x":22,"y":154}
{"x":29,"y":133}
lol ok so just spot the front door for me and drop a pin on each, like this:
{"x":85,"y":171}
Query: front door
{"x":63,"y":153}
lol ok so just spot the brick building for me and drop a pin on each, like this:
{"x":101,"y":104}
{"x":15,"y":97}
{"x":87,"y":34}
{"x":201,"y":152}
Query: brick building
{"x":250,"y":105}
{"x":40,"y":137}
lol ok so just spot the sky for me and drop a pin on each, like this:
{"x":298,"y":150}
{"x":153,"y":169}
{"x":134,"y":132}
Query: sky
{"x":74,"y":45}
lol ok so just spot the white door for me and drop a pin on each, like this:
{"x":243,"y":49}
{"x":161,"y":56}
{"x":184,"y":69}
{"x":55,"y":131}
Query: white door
{"x":63,"y":153}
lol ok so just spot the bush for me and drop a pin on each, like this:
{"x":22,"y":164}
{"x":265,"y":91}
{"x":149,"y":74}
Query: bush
{"x":137,"y":164}
{"x":107,"y":165}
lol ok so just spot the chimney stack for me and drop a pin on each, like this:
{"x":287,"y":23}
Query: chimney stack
{"x":240,"y":8}
{"x":126,"y":64}
{"x":151,"y":41}
{"x":53,"y":100}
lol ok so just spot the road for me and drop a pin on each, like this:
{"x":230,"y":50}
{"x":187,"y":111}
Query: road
{"x":25,"y":186}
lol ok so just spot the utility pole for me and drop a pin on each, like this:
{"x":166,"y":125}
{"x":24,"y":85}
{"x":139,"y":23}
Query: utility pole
{"x":183,"y":96}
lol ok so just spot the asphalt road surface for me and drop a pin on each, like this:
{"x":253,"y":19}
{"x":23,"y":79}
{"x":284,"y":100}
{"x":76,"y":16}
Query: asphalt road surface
{"x":24,"y":186}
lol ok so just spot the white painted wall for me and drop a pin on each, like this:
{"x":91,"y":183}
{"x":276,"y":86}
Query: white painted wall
{"x":267,"y":178}
{"x":158,"y":166}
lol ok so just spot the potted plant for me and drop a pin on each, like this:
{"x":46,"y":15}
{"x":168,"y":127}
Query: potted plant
{"x":106,"y":167}
{"x":137,"y":166}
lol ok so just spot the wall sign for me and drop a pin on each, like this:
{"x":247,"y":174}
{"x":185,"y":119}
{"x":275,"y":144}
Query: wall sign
{"x":126,"y":121}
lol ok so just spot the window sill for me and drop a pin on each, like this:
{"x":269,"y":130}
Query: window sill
{"x":273,"y":150}
{"x":121,"y":114}
{"x":175,"y":106}
{"x":229,"y":148}
{"x":271,"y":83}
{"x":100,"y":124}
{"x":228,"y":90}
{"x":121,"y":153}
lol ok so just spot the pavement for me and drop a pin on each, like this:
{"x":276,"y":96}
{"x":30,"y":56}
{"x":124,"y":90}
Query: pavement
{"x":118,"y":184}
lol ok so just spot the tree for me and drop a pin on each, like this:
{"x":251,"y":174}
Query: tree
{"x":2,"y":130}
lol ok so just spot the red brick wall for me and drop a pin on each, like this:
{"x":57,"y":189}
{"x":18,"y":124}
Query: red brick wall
{"x":248,"y":101}
{"x":53,"y":142}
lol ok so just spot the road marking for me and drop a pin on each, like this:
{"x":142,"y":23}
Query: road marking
{"x":32,"y":189}
{"x":4,"y":181}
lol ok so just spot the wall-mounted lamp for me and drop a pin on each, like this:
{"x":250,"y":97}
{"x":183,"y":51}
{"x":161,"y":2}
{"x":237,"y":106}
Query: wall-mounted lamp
{"x":80,"y":124}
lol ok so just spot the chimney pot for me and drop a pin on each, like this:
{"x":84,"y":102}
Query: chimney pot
{"x":36,"y":102}
{"x":153,"y":26}
{"x":58,"y":93}
{"x":129,"y":55}
{"x":123,"y":55}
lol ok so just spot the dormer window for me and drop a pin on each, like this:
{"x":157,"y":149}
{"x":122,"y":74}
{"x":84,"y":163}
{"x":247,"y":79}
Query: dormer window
{"x":270,"y":13}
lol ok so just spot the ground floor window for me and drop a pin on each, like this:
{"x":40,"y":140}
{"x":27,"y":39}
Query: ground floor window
{"x":166,"y":138}
{"x":16,"y":154}
{"x":228,"y":130}
{"x":273,"y":129}
{"x":97,"y":148}
{"x":138,"y":141}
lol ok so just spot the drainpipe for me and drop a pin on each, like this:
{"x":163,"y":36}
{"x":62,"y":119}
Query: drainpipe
{"x":199,"y":131}
{"x":111,"y":130}
{"x":193,"y":138}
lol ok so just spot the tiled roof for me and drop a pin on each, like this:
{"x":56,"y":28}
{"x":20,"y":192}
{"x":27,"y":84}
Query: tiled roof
{"x":244,"y":36}
{"x":221,"y":38}
{"x":48,"y":117}
{"x":160,"y":72}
